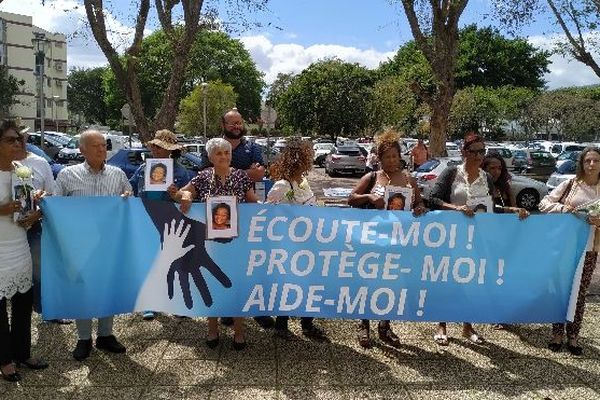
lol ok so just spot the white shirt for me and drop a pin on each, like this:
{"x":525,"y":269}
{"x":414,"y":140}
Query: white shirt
{"x":15,"y":258}
{"x":462,"y":190}
{"x":43,"y":179}
{"x":81,"y":180}
{"x":294,"y":193}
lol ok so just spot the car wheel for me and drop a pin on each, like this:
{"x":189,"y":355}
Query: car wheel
{"x":321,"y":162}
{"x":528,"y":199}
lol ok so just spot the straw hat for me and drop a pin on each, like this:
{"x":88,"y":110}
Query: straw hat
{"x":165,"y":139}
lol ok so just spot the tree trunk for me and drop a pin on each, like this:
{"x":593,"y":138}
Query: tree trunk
{"x":440,"y":111}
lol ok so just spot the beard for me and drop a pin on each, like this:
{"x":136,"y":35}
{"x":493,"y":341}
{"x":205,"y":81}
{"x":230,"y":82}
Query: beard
{"x":233,"y":135}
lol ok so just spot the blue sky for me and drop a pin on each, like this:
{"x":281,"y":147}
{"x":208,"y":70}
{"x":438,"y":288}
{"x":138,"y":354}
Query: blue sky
{"x":367,"y":32}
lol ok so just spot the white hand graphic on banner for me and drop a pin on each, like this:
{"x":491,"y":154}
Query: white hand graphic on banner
{"x":154,"y":292}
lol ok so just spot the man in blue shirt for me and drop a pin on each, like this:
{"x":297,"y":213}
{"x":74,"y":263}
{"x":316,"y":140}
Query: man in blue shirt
{"x":245,"y":155}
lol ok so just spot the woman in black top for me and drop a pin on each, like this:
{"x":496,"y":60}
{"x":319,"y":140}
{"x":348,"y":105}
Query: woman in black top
{"x":495,"y":165}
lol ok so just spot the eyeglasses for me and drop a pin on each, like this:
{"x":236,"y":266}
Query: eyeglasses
{"x":233,"y":124}
{"x":480,"y":152}
{"x":11,"y":139}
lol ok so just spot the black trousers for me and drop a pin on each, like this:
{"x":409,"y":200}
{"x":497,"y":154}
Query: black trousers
{"x":15,"y":337}
{"x":305,"y":322}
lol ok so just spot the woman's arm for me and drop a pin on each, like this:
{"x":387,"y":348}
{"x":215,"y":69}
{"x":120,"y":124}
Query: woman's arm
{"x":277,"y":193}
{"x":551,"y":202}
{"x":440,"y":193}
{"x":184,"y":196}
{"x":359,"y":195}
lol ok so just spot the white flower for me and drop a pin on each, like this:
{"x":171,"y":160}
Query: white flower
{"x":594,"y":209}
{"x":23,"y":172}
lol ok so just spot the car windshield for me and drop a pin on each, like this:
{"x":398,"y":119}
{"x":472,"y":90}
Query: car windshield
{"x":540,"y":155}
{"x":520,"y":154}
{"x":567,"y":168}
{"x":323,"y":146}
{"x":428,"y":166}
{"x":73,"y":144}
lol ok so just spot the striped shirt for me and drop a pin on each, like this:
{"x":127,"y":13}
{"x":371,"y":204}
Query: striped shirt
{"x":81,"y":180}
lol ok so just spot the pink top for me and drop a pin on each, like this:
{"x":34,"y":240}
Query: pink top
{"x":580,"y":196}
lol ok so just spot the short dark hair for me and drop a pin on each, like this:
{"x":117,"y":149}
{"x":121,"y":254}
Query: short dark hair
{"x":471,"y":138}
{"x":7,"y":125}
{"x":158,"y":165}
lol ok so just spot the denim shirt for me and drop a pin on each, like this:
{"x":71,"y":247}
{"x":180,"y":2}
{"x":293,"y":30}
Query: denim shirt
{"x":181,"y":177}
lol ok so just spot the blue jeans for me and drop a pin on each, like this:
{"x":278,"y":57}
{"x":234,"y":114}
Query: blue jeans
{"x":84,"y":327}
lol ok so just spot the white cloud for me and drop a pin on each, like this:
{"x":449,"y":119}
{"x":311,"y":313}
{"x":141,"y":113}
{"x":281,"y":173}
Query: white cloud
{"x":564,"y":72}
{"x":293,"y":58}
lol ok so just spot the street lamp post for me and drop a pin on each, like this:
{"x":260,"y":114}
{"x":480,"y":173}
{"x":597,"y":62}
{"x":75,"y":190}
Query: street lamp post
{"x":40,"y":42}
{"x":55,"y":109}
{"x":204,"y":89}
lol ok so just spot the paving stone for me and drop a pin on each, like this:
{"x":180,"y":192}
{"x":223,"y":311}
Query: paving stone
{"x":185,"y":372}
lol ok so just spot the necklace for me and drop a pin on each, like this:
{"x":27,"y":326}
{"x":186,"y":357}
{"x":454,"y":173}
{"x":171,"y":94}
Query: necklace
{"x":387,"y":176}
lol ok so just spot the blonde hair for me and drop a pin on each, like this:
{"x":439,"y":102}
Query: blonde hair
{"x":296,"y":156}
{"x":388,"y":139}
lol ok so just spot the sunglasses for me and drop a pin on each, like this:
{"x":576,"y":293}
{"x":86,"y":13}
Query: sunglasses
{"x":480,"y":152}
{"x":11,"y":139}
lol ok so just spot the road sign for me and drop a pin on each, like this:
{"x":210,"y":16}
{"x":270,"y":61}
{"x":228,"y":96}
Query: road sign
{"x":269,"y":116}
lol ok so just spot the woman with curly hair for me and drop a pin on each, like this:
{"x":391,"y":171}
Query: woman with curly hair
{"x":291,"y":187}
{"x":369,"y":193}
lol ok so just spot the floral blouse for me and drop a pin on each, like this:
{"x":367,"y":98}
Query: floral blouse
{"x":237,"y":184}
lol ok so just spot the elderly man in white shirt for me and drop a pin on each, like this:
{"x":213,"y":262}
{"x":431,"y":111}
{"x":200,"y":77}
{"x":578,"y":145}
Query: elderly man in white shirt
{"x":93,"y":178}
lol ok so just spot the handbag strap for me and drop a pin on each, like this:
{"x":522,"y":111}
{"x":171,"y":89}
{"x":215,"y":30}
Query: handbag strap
{"x":567,"y":191}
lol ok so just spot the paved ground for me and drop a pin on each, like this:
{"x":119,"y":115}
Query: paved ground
{"x":167,"y":359}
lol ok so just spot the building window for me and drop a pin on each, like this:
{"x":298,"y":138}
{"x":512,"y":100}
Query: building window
{"x":58,"y":44}
{"x":49,"y":62}
{"x":48,"y":82}
{"x":58,"y":82}
{"x":48,"y":103}
{"x":60,"y":103}
{"x":58,"y":65}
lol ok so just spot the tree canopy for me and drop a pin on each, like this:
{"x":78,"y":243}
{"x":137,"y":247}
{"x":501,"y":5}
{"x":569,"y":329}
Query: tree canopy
{"x":85,"y":92}
{"x":9,"y":88}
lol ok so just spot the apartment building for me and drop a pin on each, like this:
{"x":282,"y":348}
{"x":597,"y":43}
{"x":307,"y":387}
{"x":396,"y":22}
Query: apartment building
{"x":17,"y":53}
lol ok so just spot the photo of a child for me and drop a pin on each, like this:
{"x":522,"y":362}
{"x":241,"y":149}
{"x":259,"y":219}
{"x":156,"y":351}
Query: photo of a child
{"x":221,"y":214}
{"x":396,"y":202}
{"x":158,"y":174}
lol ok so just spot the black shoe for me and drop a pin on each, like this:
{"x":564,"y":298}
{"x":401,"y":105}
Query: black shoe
{"x":555,"y":347}
{"x":14,"y":377}
{"x":109,"y":343}
{"x":238,"y":346}
{"x":265,"y":322}
{"x":82,"y":350}
{"x":33,"y":363}
{"x":575,"y":350}
{"x":313,"y":332}
{"x":212,"y":343}
{"x":226,"y":321}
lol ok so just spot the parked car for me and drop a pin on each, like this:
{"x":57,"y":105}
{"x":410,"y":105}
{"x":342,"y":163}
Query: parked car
{"x":129,"y":160}
{"x":428,"y":172}
{"x":345,"y":159}
{"x":70,"y":153}
{"x":535,"y":163}
{"x":321,"y":151}
{"x":194,"y":147}
{"x":53,"y":144}
{"x":54,"y":166}
{"x":567,"y":155}
{"x":566,"y":171}
{"x":527,"y":192}
{"x":453,"y":150}
{"x":558,"y":148}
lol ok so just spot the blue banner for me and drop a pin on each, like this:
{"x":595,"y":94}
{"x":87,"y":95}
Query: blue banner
{"x":103,"y":256}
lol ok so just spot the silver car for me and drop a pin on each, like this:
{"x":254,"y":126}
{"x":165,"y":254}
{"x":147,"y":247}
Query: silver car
{"x":527,"y":192}
{"x":565,"y":171}
{"x":345,"y":160}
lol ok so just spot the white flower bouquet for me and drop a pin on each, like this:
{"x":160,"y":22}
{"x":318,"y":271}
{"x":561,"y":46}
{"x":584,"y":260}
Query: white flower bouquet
{"x":23,"y":190}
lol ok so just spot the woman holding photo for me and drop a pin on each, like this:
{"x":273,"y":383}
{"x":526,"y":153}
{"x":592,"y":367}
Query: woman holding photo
{"x":570,"y":196}
{"x":369,"y":193}
{"x":219,"y":180}
{"x":291,"y":187}
{"x":15,"y":267}
{"x":453,"y":189}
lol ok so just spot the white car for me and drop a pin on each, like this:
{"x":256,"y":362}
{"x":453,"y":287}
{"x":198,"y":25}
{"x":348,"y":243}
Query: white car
{"x":565,"y":171}
{"x":453,"y":150}
{"x":527,"y":192}
{"x":504,"y":152}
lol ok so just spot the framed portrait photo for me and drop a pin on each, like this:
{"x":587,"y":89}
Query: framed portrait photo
{"x":221,"y":217}
{"x":158,"y":174}
{"x":398,"y":198}
{"x":483,"y":204}
{"x":24,"y":194}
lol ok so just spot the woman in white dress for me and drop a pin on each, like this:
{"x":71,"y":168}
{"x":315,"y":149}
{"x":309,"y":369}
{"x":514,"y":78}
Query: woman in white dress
{"x":291,"y":187}
{"x":15,"y":267}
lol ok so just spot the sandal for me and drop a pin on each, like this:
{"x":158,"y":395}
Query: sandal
{"x":441,"y":339}
{"x":10,"y":376}
{"x":364,"y":338}
{"x":313,"y":332}
{"x":474,"y":338}
{"x":386,"y":334}
{"x":33,"y":363}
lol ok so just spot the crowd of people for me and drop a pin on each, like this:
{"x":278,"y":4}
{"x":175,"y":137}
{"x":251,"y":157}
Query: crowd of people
{"x":233,"y":165}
